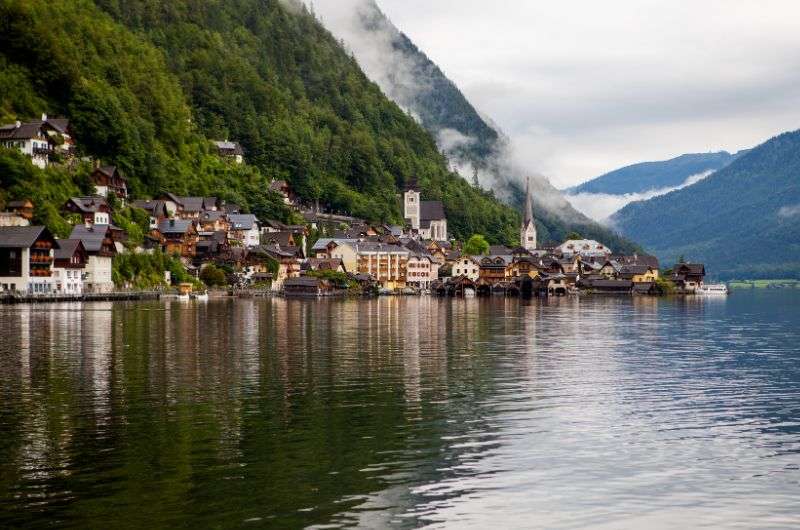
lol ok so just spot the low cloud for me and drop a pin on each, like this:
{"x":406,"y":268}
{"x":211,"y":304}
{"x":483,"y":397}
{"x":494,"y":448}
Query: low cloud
{"x":789,"y":211}
{"x":601,"y":206}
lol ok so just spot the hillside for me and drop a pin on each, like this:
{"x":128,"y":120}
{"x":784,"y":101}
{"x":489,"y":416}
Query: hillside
{"x":650,"y":176}
{"x":417,"y":84}
{"x":743,"y":221}
{"x":147,"y":82}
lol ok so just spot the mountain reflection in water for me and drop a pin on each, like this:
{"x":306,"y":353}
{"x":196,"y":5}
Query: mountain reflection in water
{"x":608,"y":412}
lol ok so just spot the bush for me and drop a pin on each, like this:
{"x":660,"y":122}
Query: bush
{"x":213,"y":276}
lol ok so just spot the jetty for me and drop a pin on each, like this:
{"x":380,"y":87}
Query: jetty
{"x":41,"y":298}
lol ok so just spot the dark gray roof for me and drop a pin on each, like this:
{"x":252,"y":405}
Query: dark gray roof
{"x":431,"y":210}
{"x":242,"y":221}
{"x":192,"y":204}
{"x":66,"y":248}
{"x":226,"y":147}
{"x":88,"y":204}
{"x":92,"y":236}
{"x":20,"y":236}
{"x":211,"y":215}
{"x":25,"y":131}
{"x":304,"y":281}
{"x":174,"y":226}
{"x":499,"y":250}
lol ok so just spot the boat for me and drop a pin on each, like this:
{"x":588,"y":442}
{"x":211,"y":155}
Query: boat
{"x":200,"y":296}
{"x":713,"y":289}
{"x":469,"y":292}
{"x":182,"y":297}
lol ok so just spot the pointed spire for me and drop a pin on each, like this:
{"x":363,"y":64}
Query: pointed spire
{"x":528,"y":204}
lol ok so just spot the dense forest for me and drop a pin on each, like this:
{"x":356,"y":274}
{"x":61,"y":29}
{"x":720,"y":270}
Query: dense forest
{"x":743,"y":221}
{"x":146,"y":83}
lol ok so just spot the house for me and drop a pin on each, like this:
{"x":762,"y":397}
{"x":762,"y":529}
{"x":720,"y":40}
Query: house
{"x":426,"y":217}
{"x":22,"y":208}
{"x":288,"y":264}
{"x":305,"y":286}
{"x":585,"y":248}
{"x":281,"y":187}
{"x":98,"y":241}
{"x":156,"y":210}
{"x":343,"y":249}
{"x":638,"y":273}
{"x":494,"y":269}
{"x":69,"y":262}
{"x":610,"y":269}
{"x":527,"y":266}
{"x":611,"y":286}
{"x":26,"y":259}
{"x":553,"y":284}
{"x":323,"y":264}
{"x":210,"y":246}
{"x":688,"y":276}
{"x":177,"y":236}
{"x":109,"y":179}
{"x":422,"y":270}
{"x":230,"y":150}
{"x":59,"y":131}
{"x":92,"y":210}
{"x":388,"y":264}
{"x":12,"y":219}
{"x":31,"y":139}
{"x":468,"y":267}
{"x":244,"y":229}
{"x":214,"y":221}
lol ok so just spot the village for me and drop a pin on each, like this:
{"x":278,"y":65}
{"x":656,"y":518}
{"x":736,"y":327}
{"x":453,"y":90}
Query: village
{"x":232,"y":251}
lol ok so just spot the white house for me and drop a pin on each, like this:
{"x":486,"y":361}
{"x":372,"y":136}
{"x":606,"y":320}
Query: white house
{"x":230,"y":150}
{"x":467,"y":266}
{"x":30,"y":139}
{"x":244,"y":228}
{"x":100,"y":249}
{"x":343,"y":249}
{"x":26,"y":259}
{"x":422,"y":270}
{"x":68,"y":268}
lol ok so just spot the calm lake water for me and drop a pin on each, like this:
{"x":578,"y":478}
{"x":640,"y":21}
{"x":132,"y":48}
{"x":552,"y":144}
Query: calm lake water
{"x":402,"y":412}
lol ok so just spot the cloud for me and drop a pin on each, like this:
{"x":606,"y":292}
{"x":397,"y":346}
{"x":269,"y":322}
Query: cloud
{"x":789,"y":211}
{"x":601,"y":206}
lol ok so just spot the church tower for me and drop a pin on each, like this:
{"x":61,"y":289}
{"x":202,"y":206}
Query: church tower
{"x":411,"y":205}
{"x":527,"y":232}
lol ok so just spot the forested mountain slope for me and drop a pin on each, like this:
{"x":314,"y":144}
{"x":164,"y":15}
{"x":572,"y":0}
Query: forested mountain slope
{"x":651,"y":176}
{"x":147,"y":82}
{"x":743,"y":221}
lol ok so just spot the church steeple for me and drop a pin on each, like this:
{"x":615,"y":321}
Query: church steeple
{"x":527,"y":232}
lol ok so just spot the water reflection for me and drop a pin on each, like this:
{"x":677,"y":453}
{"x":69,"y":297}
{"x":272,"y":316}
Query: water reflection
{"x":402,"y":411}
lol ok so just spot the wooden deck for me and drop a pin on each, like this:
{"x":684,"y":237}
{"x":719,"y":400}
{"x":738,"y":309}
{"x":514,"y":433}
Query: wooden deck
{"x":25,"y":298}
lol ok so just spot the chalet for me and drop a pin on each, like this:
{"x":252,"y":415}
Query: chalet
{"x":31,"y":139}
{"x":98,"y":241}
{"x":553,"y":284}
{"x":527,"y":266}
{"x":343,"y":249}
{"x":230,"y":150}
{"x":426,"y":217}
{"x":92,"y":210}
{"x":304,"y":286}
{"x":244,"y":229}
{"x":323,"y":264}
{"x":210,"y":246}
{"x":438,"y":249}
{"x":610,"y":269}
{"x":638,"y":273}
{"x":585,"y":248}
{"x":178,"y":236}
{"x":468,"y":267}
{"x":23,"y":208}
{"x":456,"y":286}
{"x":688,"y":276}
{"x":288,"y":264}
{"x":110,"y":179}
{"x":494,"y":269}
{"x":70,"y":261}
{"x":422,"y":270}
{"x":156,"y":210}
{"x":214,"y":221}
{"x":281,"y":187}
{"x":26,"y":259}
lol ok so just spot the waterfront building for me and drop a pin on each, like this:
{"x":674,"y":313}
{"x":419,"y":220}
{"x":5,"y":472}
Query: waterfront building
{"x":26,"y":259}
{"x":69,"y":263}
{"x":527,"y":232}
{"x":422,"y":270}
{"x":343,"y":249}
{"x":688,"y":277}
{"x":495,"y":269}
{"x":468,"y":267}
{"x":388,"y":264}
{"x":98,"y":241}
{"x":638,"y":273}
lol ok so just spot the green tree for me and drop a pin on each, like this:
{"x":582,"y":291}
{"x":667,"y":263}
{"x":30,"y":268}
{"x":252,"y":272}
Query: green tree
{"x":476,"y":246}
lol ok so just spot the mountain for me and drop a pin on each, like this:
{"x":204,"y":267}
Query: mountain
{"x":743,"y":221}
{"x":146,"y":84}
{"x":649,"y":176}
{"x":471,"y":143}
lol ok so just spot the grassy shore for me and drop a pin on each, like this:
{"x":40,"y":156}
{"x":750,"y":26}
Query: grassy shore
{"x":764,"y":284}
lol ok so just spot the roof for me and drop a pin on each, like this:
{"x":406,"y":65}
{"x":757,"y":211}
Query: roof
{"x":59,"y":124}
{"x":431,"y":210}
{"x":691,"y":268}
{"x":612,"y":284}
{"x":301,"y":281}
{"x":174,"y":226}
{"x":499,"y":250}
{"x":21,"y":236}
{"x":91,"y":236}
{"x":284,"y":239}
{"x":192,"y":204}
{"x":323,"y":242}
{"x":228,"y":148}
{"x":88,"y":204}
{"x":371,"y":246}
{"x":634,"y":269}
{"x":25,"y":203}
{"x":323,"y":264}
{"x":110,"y":171}
{"x":66,"y":248}
{"x":211,"y":215}
{"x":24,"y":131}
{"x":242,"y":221}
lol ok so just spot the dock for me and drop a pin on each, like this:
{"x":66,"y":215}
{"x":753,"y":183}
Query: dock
{"x":27,"y":298}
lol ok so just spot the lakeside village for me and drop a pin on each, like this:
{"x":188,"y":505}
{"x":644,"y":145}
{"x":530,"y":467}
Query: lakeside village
{"x":218,"y":245}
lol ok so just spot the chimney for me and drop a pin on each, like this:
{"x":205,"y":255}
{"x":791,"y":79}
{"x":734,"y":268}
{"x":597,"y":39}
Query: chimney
{"x":44,"y":117}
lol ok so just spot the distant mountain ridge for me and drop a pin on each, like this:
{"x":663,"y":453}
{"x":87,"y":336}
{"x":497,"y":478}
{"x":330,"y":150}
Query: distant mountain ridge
{"x":420,"y":87}
{"x":649,"y":176}
{"x":743,"y":221}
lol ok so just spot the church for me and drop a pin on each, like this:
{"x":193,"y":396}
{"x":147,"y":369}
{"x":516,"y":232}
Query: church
{"x":425,"y":217}
{"x":527,"y":232}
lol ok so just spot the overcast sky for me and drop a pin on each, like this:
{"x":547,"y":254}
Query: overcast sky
{"x":584,"y":87}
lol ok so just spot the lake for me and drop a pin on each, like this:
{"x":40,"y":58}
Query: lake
{"x":403,"y":412}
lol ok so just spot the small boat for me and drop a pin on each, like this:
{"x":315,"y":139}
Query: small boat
{"x":469,"y":292}
{"x":200,"y":296}
{"x":713,"y":289}
{"x":182,"y":297}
